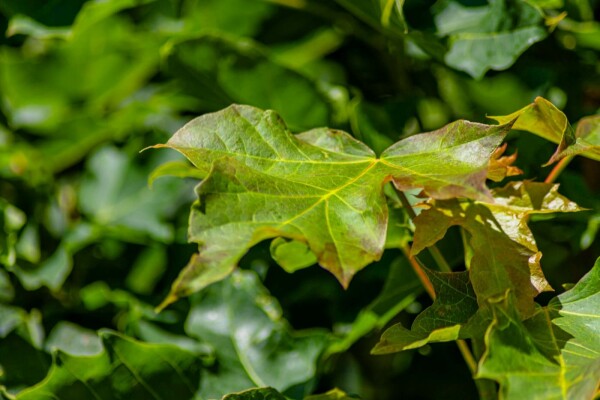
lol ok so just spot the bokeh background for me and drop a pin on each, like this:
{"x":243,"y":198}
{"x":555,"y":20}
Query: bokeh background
{"x":87,"y":244}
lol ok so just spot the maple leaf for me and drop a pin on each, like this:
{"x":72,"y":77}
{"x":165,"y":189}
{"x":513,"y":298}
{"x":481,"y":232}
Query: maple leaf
{"x":504,"y":252}
{"x":321,"y":187}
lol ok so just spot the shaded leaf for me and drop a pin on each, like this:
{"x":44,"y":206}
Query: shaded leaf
{"x":221,"y":71}
{"x":256,"y":394}
{"x":333,"y":394}
{"x":402,"y":287}
{"x":555,"y":354}
{"x":381,"y":14}
{"x":505,"y":255}
{"x":126,"y":369}
{"x":321,"y":187}
{"x":114,"y":196}
{"x":454,"y":305}
{"x":11,"y":221}
{"x":22,"y":361}
{"x":253,"y":344}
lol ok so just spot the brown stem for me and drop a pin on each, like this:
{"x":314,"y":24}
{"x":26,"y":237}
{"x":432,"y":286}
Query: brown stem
{"x":419,"y":271}
{"x":558,"y":168}
{"x":444,"y":266}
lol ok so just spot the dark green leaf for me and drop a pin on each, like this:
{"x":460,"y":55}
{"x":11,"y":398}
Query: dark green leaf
{"x":253,"y":344}
{"x":454,"y":305}
{"x":126,"y":369}
{"x":256,"y":394}
{"x":222,"y":71}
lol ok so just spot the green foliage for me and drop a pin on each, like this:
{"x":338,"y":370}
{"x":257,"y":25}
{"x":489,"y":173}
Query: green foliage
{"x":299,"y":122}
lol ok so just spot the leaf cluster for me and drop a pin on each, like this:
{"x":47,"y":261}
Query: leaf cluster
{"x":324,"y":224}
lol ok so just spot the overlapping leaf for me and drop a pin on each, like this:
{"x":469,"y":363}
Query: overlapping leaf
{"x":553,"y":355}
{"x":125,"y":369}
{"x":321,"y":187}
{"x":454,"y":305}
{"x":505,"y":254}
{"x":542,"y":118}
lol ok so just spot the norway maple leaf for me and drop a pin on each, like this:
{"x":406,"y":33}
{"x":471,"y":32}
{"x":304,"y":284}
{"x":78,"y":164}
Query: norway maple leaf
{"x":321,"y":187}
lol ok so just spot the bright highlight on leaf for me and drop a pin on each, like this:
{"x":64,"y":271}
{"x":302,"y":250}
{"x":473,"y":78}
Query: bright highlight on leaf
{"x":542,"y":118}
{"x":321,"y":187}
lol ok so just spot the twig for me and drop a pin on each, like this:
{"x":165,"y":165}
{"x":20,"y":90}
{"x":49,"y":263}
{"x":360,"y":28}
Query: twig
{"x":419,"y":271}
{"x":444,"y":266}
{"x":558,"y":168}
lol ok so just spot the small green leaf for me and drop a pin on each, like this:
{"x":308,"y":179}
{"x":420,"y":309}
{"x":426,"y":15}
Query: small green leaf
{"x":321,"y":187}
{"x":555,"y":354}
{"x":292,"y":255}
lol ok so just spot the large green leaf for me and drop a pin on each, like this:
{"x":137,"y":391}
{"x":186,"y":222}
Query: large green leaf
{"x":253,"y":344}
{"x":321,"y":187}
{"x":542,"y":118}
{"x":454,"y":305}
{"x":505,"y":255}
{"x":553,"y":355}
{"x":126,"y":369}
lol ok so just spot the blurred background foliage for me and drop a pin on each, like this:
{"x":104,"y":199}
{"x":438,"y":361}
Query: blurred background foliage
{"x":86,"y":244}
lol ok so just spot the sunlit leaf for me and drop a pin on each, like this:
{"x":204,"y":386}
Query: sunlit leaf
{"x":321,"y":187}
{"x":555,"y":354}
{"x":542,"y":118}
{"x":502,"y":166}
